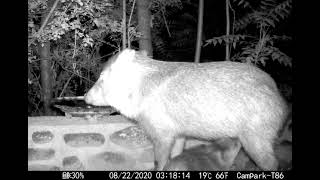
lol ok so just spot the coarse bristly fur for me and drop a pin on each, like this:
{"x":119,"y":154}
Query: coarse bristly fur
{"x":205,"y":100}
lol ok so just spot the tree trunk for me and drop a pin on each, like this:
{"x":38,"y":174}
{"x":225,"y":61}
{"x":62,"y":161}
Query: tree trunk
{"x":124,"y":25}
{"x":144,"y":26}
{"x":227,"y":30}
{"x":199,"y":33}
{"x":45,"y":68}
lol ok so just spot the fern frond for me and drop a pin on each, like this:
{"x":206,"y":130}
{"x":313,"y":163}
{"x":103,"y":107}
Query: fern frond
{"x":233,"y":39}
{"x":243,"y":3}
{"x":277,"y":55}
{"x":266,"y":15}
{"x":281,"y":11}
{"x":160,"y":47}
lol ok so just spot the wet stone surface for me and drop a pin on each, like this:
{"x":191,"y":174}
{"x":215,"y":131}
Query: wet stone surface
{"x":40,"y":167}
{"x":84,"y":139}
{"x":72,"y":163}
{"x":83,"y":111}
{"x":40,"y":154}
{"x":131,"y":137}
{"x":112,"y":161}
{"x":112,"y":157}
{"x":41,"y":137}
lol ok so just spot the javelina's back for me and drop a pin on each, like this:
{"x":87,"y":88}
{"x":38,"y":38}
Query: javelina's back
{"x":224,"y":98}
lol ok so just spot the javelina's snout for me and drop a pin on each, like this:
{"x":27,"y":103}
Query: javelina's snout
{"x":95,"y":95}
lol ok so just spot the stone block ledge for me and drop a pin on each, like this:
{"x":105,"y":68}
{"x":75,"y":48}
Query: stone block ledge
{"x":59,"y":143}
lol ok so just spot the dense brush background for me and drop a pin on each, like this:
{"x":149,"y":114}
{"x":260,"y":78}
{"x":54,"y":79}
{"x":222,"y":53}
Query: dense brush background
{"x":81,"y":35}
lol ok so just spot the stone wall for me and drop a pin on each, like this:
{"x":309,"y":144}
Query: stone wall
{"x":61,"y":143}
{"x":73,"y":144}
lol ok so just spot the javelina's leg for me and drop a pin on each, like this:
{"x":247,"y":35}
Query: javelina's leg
{"x":162,"y":150}
{"x":260,"y":149}
{"x":178,"y":147}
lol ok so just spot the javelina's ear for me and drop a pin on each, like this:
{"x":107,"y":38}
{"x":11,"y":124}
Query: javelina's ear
{"x":126,"y":55}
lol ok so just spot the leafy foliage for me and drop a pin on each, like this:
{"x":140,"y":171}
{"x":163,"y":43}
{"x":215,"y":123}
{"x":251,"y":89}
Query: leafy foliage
{"x":267,"y":14}
{"x":76,"y":30}
{"x":161,"y":9}
{"x":262,"y":50}
{"x":180,"y":33}
{"x":231,"y":39}
{"x":258,"y":46}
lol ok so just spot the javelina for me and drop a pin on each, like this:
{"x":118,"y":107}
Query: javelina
{"x":204,"y":100}
{"x":217,"y":156}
